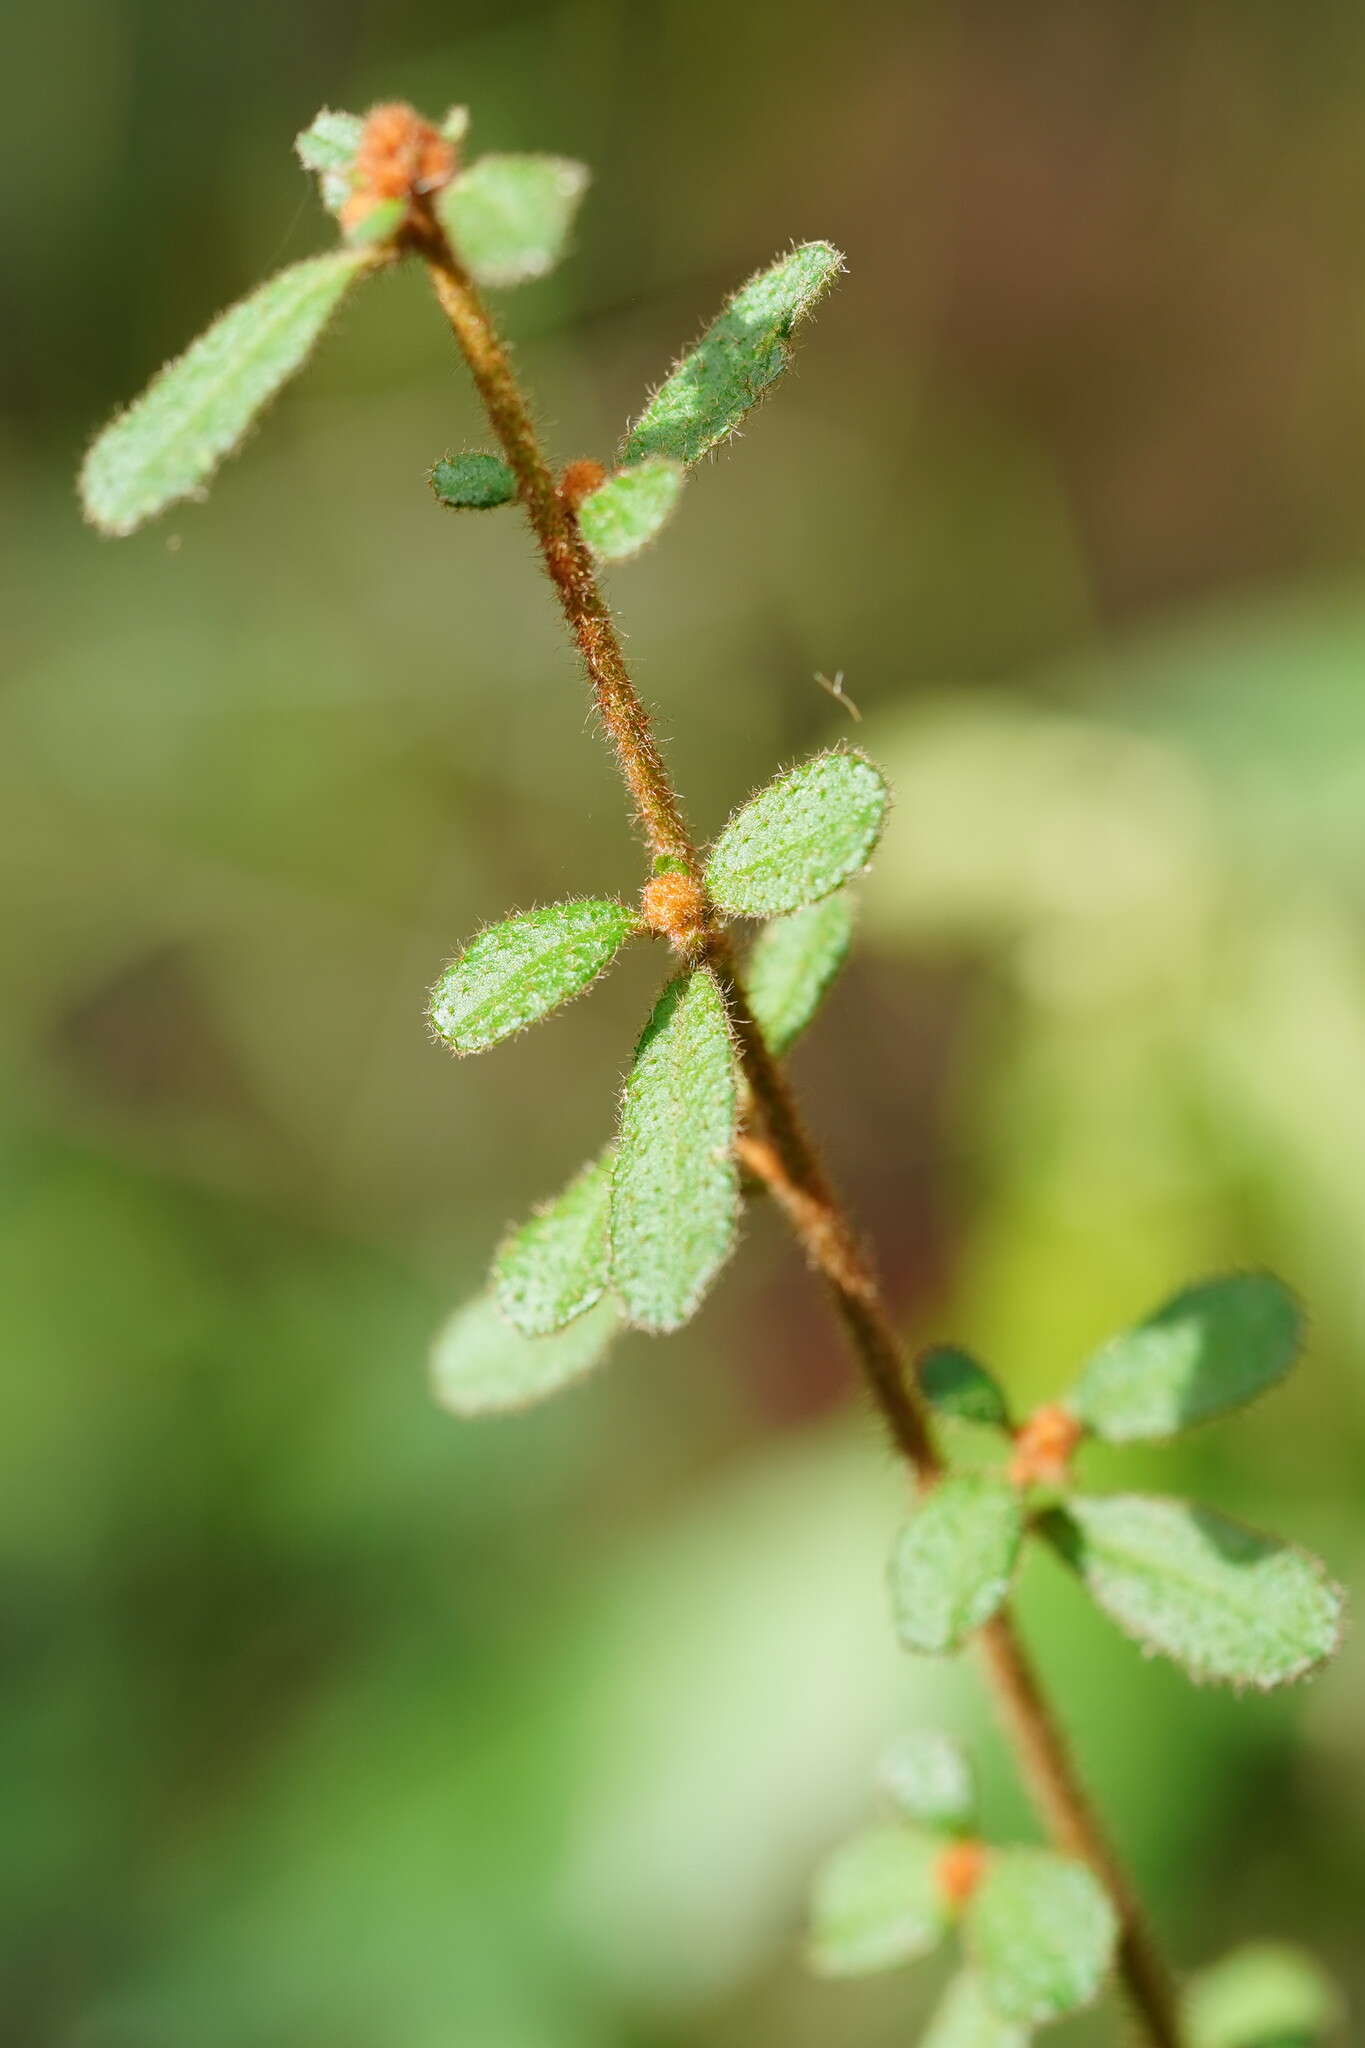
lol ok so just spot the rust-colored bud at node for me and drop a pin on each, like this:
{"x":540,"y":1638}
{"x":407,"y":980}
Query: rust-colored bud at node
{"x":674,"y":907}
{"x":1044,"y":1446}
{"x":579,"y":480}
{"x":959,"y":1871}
{"x":401,"y":156}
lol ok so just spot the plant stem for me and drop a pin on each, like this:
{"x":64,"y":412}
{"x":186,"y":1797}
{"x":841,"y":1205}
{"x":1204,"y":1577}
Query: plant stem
{"x":783,"y":1156}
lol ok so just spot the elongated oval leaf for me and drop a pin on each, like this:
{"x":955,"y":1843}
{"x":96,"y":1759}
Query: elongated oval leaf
{"x":1227,"y":1603}
{"x":625,"y":513}
{"x":509,"y":216}
{"x":746,"y":350}
{"x":473,"y":482}
{"x":930,"y":1778}
{"x":1267,"y":1995}
{"x":957,"y":1384}
{"x":675,"y":1188}
{"x":799,"y":838}
{"x":876,"y":1902}
{"x":480,"y":1365}
{"x":965,"y":2018}
{"x":515,"y":971}
{"x":1210,"y":1348}
{"x":953,"y":1562}
{"x":169,"y":442}
{"x":792,"y":965}
{"x":557,"y":1265}
{"x":1040,"y":1933}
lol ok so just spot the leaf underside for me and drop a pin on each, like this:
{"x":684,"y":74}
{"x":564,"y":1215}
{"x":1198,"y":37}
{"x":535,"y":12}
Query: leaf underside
{"x":793,"y":963}
{"x":740,"y":355}
{"x":1227,"y":1603}
{"x":1266,"y":1995}
{"x":954,"y":1560}
{"x":473,"y":482}
{"x":558,"y":1263}
{"x":1041,"y":1934}
{"x":515,"y":971}
{"x":929,"y":1777}
{"x":799,"y":838}
{"x":480,"y":1365}
{"x":509,"y":217}
{"x":876,"y":1902}
{"x":168,"y":443}
{"x":954,"y":1383}
{"x":626,"y":512}
{"x":1213,"y":1347}
{"x":675,"y":1187}
{"x":328,"y":147}
{"x":965,"y":2018}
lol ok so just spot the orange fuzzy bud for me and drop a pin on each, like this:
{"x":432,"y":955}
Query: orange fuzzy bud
{"x":959,"y":1871}
{"x":1043,"y":1447}
{"x":579,"y":479}
{"x":401,"y":156}
{"x":674,"y":907}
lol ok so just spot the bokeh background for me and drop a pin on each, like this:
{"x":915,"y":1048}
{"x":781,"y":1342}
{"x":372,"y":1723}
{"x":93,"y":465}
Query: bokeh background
{"x":327,"y":1721}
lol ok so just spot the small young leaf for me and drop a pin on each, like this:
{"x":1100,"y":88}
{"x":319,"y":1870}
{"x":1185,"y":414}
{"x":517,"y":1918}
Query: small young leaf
{"x":623,"y":515}
{"x":1210,"y":1348}
{"x":708,"y":393}
{"x":675,"y":1187}
{"x":557,"y":1264}
{"x":799,"y":838}
{"x":170,"y":440}
{"x":953,"y":1562}
{"x":930,"y":1778}
{"x":876,"y":1902}
{"x":515,"y":971}
{"x":1227,"y":1603}
{"x":509,"y":216}
{"x":473,"y":483}
{"x":965,"y":2018}
{"x":1267,"y":1995}
{"x":1041,"y":1933}
{"x":480,"y":1365}
{"x":792,"y":965}
{"x":328,"y":147}
{"x":957,"y":1384}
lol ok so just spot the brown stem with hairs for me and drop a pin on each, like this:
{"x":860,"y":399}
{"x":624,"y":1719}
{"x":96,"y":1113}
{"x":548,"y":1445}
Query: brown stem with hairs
{"x":781,"y":1153}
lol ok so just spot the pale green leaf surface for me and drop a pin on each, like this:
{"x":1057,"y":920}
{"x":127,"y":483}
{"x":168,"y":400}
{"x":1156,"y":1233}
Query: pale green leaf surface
{"x":558,"y":1263}
{"x":965,"y":2018}
{"x":1267,"y":1995}
{"x":1041,"y":1934}
{"x":741,"y":354}
{"x":793,"y":963}
{"x":956,"y":1384}
{"x":473,"y":482}
{"x":876,"y":1902}
{"x":929,"y":1777}
{"x":625,"y":513}
{"x":480,"y":1365}
{"x":330,"y":141}
{"x":170,"y":440}
{"x":1212,"y":1347}
{"x":1227,"y":1603}
{"x":515,"y":971}
{"x":675,"y":1187}
{"x":509,"y":217}
{"x":953,"y":1561}
{"x":799,"y":838}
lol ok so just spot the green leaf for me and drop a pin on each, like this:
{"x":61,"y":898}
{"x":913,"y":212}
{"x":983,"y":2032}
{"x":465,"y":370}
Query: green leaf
{"x":1267,"y":1995}
{"x":876,"y":1902}
{"x":1041,"y":1933}
{"x":799,"y":838}
{"x":480,"y":1365}
{"x":930,"y":1778}
{"x":675,"y":1189}
{"x":792,"y":965}
{"x":558,"y":1264}
{"x":328,"y":147}
{"x":1224,"y":1601}
{"x":509,"y":216}
{"x":170,"y":440}
{"x":965,"y":2018}
{"x":707,"y":394}
{"x":956,"y":1384}
{"x":1212,"y":1347}
{"x":954,"y":1559}
{"x":474,"y":483}
{"x":623,"y":515}
{"x":515,"y":971}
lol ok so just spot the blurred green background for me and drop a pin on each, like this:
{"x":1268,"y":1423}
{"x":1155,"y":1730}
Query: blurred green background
{"x":326,"y":1721}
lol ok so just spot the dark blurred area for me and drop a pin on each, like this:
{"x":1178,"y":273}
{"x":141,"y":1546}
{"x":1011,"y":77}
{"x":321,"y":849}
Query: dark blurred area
{"x":327,"y":1721}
